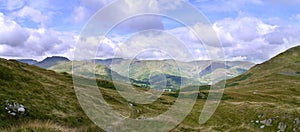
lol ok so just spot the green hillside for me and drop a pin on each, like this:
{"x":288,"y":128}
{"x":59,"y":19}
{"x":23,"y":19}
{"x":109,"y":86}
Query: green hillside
{"x":271,"y":89}
{"x":277,"y":80}
{"x":49,"y":96}
{"x":265,"y":98}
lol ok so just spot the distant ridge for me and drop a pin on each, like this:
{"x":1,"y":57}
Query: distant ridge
{"x":51,"y":61}
{"x":28,"y":61}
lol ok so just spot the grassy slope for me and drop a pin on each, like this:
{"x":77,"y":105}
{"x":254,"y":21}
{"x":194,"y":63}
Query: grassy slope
{"x":270,"y":89}
{"x":49,"y":96}
{"x":276,"y":80}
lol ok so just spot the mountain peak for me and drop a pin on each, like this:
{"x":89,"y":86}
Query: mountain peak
{"x":57,"y":58}
{"x":51,"y":61}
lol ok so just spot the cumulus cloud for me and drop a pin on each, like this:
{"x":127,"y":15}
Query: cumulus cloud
{"x":254,"y":39}
{"x":242,"y":28}
{"x":17,"y":41}
{"x":242,"y":38}
{"x":127,"y":9}
{"x":11,"y":33}
{"x":33,"y":14}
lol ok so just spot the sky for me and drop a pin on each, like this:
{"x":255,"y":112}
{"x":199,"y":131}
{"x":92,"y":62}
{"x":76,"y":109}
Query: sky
{"x":248,"y":30}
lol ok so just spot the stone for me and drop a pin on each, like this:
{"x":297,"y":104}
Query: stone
{"x":130,"y":104}
{"x":15,"y":109}
{"x":21,"y":109}
{"x":269,"y":122}
{"x":263,"y":122}
{"x":257,"y":121}
{"x":262,"y":126}
{"x":282,"y":126}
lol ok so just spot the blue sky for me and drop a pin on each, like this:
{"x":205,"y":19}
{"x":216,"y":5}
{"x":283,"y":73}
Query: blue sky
{"x":254,"y":30}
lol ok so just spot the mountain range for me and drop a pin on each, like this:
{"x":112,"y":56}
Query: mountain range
{"x":140,"y":71}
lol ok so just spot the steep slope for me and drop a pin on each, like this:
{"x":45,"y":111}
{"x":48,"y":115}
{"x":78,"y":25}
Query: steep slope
{"x":278,"y":79}
{"x":267,"y":92}
{"x":48,"y":95}
{"x":51,"y":61}
{"x":52,"y":101}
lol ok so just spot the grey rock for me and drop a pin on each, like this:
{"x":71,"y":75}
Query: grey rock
{"x":282,"y":126}
{"x":262,"y":126}
{"x":263,"y":122}
{"x":269,"y":122}
{"x":130,"y":104}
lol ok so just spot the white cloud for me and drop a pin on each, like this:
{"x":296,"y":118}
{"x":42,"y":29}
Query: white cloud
{"x":244,"y":38}
{"x":254,"y":39}
{"x":243,"y":28}
{"x":125,"y":9}
{"x":17,"y":41}
{"x":33,"y":14}
{"x":11,"y":33}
